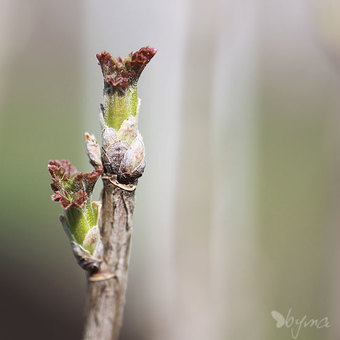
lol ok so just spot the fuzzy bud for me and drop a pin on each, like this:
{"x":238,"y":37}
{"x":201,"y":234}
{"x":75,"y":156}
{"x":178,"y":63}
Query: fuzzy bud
{"x":122,"y":153}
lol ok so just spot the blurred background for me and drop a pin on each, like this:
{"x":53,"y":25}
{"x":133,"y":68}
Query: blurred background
{"x":237,"y":213}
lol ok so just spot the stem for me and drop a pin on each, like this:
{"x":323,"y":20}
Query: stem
{"x":107,"y":287}
{"x":119,"y":107}
{"x":122,"y":161}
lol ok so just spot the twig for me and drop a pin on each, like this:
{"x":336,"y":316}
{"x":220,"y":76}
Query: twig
{"x":100,"y":232}
{"x":106,"y":288}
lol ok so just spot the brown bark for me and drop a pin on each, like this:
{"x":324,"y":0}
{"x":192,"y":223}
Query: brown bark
{"x":107,"y":287}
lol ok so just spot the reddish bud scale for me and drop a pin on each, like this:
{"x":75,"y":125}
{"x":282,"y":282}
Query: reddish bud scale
{"x":78,"y":199}
{"x":121,"y":74}
{"x":71,"y":188}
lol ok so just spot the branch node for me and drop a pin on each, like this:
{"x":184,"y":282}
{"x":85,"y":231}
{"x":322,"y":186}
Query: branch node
{"x":113,"y":180}
{"x":101,"y":276}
